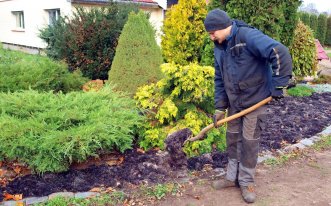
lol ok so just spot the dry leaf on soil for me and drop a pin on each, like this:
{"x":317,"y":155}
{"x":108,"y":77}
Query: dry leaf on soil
{"x":16,"y":197}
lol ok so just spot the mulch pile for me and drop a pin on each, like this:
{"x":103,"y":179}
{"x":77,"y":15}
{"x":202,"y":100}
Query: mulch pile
{"x":289,"y":119}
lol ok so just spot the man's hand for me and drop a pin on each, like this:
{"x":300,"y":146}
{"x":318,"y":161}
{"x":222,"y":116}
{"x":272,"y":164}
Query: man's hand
{"x":219,"y":114}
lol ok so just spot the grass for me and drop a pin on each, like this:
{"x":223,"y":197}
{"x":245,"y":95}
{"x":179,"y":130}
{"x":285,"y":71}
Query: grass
{"x":159,"y":191}
{"x":113,"y":198}
{"x":324,"y":143}
{"x":300,"y":91}
{"x":329,"y":54}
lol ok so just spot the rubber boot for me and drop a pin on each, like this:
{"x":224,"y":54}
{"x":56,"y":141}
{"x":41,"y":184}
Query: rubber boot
{"x":248,"y":193}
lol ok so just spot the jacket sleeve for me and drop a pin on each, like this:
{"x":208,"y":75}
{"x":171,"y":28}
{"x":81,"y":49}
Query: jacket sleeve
{"x":276,"y":53}
{"x":221,"y":98}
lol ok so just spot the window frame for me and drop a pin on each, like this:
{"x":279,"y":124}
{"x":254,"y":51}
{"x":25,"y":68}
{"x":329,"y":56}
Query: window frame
{"x":19,"y":18}
{"x":53,"y":15}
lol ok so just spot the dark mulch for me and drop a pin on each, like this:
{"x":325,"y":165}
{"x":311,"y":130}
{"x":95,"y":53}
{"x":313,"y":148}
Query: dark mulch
{"x":294,"y":118}
{"x":289,"y":119}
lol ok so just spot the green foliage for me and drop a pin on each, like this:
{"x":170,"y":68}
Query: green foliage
{"x":184,"y":32}
{"x":183,"y":99}
{"x":214,"y":4}
{"x":159,"y":191}
{"x":113,"y":198}
{"x":207,"y":58}
{"x":300,"y":91}
{"x":88,"y":39}
{"x":305,"y":18}
{"x":321,"y":28}
{"x":313,"y":23}
{"x":328,"y":32}
{"x":275,"y":18}
{"x":291,"y":17}
{"x":138,"y":57}
{"x":303,"y":51}
{"x":50,"y":131}
{"x":20,"y":71}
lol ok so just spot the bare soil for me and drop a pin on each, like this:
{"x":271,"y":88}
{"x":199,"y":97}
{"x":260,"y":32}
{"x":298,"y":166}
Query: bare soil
{"x":289,"y":120}
{"x":305,"y":181}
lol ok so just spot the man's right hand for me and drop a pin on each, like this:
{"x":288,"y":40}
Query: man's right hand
{"x":219,"y":114}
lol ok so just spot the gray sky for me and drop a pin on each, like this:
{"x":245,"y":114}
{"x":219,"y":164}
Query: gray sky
{"x":321,"y":5}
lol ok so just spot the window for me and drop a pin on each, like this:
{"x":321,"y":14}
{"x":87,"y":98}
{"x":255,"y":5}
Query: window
{"x":54,"y":15}
{"x":19,"y":16}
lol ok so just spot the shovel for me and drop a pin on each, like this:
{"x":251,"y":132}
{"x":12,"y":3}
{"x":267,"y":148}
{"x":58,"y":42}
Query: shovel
{"x":232,"y":117}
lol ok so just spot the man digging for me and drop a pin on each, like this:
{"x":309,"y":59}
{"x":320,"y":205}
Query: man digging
{"x":249,"y":67}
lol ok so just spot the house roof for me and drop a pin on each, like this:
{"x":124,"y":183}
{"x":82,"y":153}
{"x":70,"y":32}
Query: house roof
{"x":143,"y":3}
{"x":321,"y":54}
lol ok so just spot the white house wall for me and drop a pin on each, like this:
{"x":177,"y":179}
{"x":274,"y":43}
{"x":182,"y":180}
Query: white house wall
{"x":35,"y":18}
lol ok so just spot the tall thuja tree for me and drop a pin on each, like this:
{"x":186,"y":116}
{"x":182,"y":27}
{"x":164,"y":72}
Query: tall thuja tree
{"x":87,"y":40}
{"x":266,"y":15}
{"x":184,"y":32}
{"x":291,"y":18}
{"x":313,"y":23}
{"x":321,"y":28}
{"x":276,"y":18}
{"x":138,"y":57}
{"x":328,"y":32}
{"x":305,"y":18}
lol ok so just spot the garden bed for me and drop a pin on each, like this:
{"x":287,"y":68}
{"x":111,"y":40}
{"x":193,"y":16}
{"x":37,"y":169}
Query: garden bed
{"x":289,"y":120}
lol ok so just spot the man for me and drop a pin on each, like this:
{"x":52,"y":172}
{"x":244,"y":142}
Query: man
{"x":249,"y":67}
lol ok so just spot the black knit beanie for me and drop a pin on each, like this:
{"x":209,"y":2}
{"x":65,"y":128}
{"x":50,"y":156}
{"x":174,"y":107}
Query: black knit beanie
{"x":217,"y":20}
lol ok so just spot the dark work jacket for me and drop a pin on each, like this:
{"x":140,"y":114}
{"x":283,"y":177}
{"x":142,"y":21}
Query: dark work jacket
{"x":249,"y":67}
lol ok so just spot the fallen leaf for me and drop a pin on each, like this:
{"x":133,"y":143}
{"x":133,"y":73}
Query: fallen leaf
{"x":17,"y":169}
{"x":121,"y":159}
{"x":140,"y":151}
{"x":2,"y":172}
{"x":16,"y":197}
{"x":95,"y":189}
{"x":1,"y":163}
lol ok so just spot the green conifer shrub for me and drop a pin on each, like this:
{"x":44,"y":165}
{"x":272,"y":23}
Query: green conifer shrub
{"x":50,"y":131}
{"x":21,"y":71}
{"x":275,"y":18}
{"x":305,"y":18}
{"x":183,"y":99}
{"x":303,"y":51}
{"x":184,"y":32}
{"x":321,"y":28}
{"x":138,"y":57}
{"x":313,"y":23}
{"x":87,"y":40}
{"x":328,"y":32}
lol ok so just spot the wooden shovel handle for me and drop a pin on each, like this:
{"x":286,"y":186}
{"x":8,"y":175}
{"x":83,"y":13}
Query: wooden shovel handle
{"x":232,"y":117}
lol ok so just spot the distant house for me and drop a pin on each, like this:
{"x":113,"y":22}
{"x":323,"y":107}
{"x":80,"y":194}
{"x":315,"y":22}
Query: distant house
{"x":21,"y":20}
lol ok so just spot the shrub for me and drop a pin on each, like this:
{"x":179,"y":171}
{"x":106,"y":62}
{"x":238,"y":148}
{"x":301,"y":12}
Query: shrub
{"x":275,"y":18}
{"x":321,"y":28}
{"x":21,"y":71}
{"x":182,"y":99}
{"x":300,"y":91}
{"x":138,"y":57}
{"x":328,"y":32}
{"x":303,"y":51}
{"x":313,"y":23}
{"x":50,"y":131}
{"x":305,"y":18}
{"x":88,"y":39}
{"x":184,"y":32}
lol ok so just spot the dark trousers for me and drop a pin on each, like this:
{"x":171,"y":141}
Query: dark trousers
{"x":242,"y":138}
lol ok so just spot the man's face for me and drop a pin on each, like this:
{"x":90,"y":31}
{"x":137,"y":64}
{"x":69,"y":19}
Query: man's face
{"x":218,"y":35}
